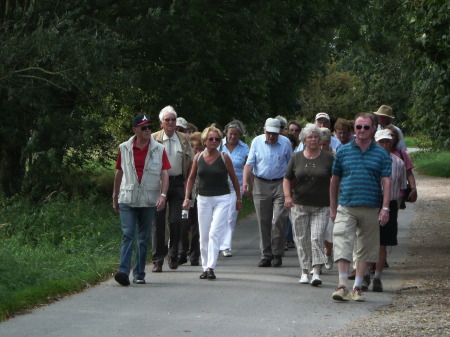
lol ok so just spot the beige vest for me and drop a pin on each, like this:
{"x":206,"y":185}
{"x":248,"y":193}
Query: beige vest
{"x":148,"y":191}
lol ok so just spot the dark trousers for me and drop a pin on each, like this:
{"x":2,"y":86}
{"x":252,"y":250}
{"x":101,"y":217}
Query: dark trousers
{"x":175,"y":198}
{"x":190,"y":224}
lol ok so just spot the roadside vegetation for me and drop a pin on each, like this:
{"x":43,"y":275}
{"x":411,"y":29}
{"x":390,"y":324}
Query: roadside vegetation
{"x":432,"y":163}
{"x":58,"y":246}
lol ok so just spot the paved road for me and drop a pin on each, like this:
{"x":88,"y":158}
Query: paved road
{"x":244,"y":300}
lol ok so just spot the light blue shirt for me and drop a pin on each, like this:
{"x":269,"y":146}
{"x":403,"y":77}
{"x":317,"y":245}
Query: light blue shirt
{"x":269,"y":161}
{"x":238,"y":157}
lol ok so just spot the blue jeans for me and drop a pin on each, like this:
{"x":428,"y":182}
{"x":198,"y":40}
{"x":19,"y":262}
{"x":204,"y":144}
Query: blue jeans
{"x":129,"y":218}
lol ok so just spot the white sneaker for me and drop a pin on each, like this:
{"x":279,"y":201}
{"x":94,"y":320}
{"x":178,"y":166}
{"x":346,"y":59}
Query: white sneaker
{"x":316,"y":281}
{"x":304,"y":279}
{"x":329,"y":263}
{"x":227,"y":253}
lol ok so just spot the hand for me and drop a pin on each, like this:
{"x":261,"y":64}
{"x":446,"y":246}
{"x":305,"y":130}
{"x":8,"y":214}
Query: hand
{"x":238,"y":205}
{"x":288,"y":203}
{"x":383,"y":217}
{"x":160,"y":203}
{"x":186,"y":204}
{"x":412,"y":197}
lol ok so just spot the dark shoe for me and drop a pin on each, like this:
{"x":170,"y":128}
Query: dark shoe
{"x":138,"y":281}
{"x":173,"y":262}
{"x":365,"y":283}
{"x":377,"y":286}
{"x":204,"y":275}
{"x":156,"y":268}
{"x":352,"y":275}
{"x":122,"y":279}
{"x":264,"y":263}
{"x":210,"y":274}
{"x":277,"y":262}
{"x":182,"y":259}
{"x":195,"y":263}
{"x":386,"y":265}
{"x":291,"y":244}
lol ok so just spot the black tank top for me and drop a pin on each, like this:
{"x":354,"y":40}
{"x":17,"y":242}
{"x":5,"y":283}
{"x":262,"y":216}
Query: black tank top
{"x":213,"y":179}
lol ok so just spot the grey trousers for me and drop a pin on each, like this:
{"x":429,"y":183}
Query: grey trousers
{"x":268,"y":197}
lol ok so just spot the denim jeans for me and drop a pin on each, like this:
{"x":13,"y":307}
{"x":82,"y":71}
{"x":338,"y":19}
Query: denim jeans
{"x":129,"y":218}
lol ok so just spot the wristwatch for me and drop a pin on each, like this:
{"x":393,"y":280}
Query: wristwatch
{"x":386,"y":209}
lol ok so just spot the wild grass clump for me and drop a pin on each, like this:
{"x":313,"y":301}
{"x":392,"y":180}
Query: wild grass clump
{"x":432,"y":163}
{"x":56,"y":247}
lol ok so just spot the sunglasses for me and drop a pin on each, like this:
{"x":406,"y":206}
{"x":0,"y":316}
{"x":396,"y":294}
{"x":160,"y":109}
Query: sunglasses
{"x":359,"y":127}
{"x":170,"y":119}
{"x":145,"y":127}
{"x":214,"y":139}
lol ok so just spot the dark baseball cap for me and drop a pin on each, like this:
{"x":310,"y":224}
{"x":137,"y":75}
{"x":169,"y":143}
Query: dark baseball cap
{"x":140,"y":119}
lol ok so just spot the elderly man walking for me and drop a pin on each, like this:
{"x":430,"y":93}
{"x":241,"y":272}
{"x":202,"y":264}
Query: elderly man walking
{"x":141,"y":162}
{"x":360,"y":169}
{"x":180,"y":155}
{"x":268,"y":158}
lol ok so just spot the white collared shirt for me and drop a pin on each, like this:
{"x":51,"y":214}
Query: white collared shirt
{"x":175,"y":154}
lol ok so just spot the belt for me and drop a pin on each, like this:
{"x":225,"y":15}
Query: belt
{"x":270,"y":180}
{"x":176,"y":177}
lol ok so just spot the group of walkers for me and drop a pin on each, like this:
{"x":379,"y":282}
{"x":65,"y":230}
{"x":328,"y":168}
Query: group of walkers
{"x":334,"y":198}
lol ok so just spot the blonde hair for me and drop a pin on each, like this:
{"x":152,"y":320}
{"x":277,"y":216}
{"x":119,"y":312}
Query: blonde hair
{"x":209,"y":129}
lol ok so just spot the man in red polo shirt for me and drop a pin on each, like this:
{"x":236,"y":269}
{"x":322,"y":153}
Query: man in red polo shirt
{"x":140,"y":189}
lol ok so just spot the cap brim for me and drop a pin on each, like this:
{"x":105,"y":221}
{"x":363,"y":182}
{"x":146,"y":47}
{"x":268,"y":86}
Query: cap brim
{"x":272,"y":129}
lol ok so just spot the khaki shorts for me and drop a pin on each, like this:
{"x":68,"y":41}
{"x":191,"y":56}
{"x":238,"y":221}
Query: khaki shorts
{"x":359,"y":222}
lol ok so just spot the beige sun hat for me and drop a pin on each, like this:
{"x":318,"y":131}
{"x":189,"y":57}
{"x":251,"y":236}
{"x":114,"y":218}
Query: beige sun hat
{"x":385,"y":110}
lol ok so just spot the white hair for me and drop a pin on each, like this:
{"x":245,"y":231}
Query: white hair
{"x":310,"y":128}
{"x":167,"y":110}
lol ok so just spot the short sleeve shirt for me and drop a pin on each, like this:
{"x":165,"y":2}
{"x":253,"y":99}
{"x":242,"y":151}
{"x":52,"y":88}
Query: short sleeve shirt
{"x":360,"y":173}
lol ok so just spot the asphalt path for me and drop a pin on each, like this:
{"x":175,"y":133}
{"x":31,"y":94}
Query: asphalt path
{"x":245,"y":300}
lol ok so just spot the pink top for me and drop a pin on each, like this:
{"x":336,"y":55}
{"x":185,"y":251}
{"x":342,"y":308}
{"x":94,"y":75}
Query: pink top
{"x":405,"y":157}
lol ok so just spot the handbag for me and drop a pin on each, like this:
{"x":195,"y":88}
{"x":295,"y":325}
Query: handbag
{"x":407,"y":191}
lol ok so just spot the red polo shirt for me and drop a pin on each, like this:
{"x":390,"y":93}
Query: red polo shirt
{"x":139,"y":160}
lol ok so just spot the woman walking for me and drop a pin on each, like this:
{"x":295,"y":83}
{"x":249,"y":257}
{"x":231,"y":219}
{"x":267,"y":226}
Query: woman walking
{"x":308,"y":179}
{"x":213,"y":201}
{"x":237,"y":150}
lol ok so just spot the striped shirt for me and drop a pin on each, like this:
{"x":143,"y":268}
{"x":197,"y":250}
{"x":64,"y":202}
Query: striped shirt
{"x":360,"y":173}
{"x":398,"y":177}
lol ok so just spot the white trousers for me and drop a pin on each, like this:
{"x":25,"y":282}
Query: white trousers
{"x":232,"y":219}
{"x":212,"y":222}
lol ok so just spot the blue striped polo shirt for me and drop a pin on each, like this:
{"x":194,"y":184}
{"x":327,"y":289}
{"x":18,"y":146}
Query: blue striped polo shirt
{"x":360,"y":173}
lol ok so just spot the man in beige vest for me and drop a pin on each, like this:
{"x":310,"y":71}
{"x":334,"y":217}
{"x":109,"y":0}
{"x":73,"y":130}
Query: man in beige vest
{"x":140,"y":188}
{"x":180,"y":155}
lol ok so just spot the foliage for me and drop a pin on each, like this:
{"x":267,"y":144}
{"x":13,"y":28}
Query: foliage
{"x":73,"y":74}
{"x":432,"y":163}
{"x":337,"y":93}
{"x":61,"y":246}
{"x":400,"y":54}
{"x":429,"y":50}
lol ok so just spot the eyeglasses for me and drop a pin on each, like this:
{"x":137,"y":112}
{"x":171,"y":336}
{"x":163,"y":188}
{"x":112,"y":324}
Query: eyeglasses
{"x":214,"y":139}
{"x":170,"y":119}
{"x":294,"y":130}
{"x":145,"y":127}
{"x":359,"y":127}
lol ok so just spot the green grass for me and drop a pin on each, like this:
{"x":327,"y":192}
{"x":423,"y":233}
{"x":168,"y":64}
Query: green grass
{"x":412,"y":142}
{"x":54,"y":248}
{"x":58,"y":247}
{"x":432,"y":163}
{"x":248,"y":207}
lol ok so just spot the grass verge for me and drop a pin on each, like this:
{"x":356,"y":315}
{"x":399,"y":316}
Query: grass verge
{"x":432,"y":163}
{"x":52,"y":249}
{"x":57,"y":247}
